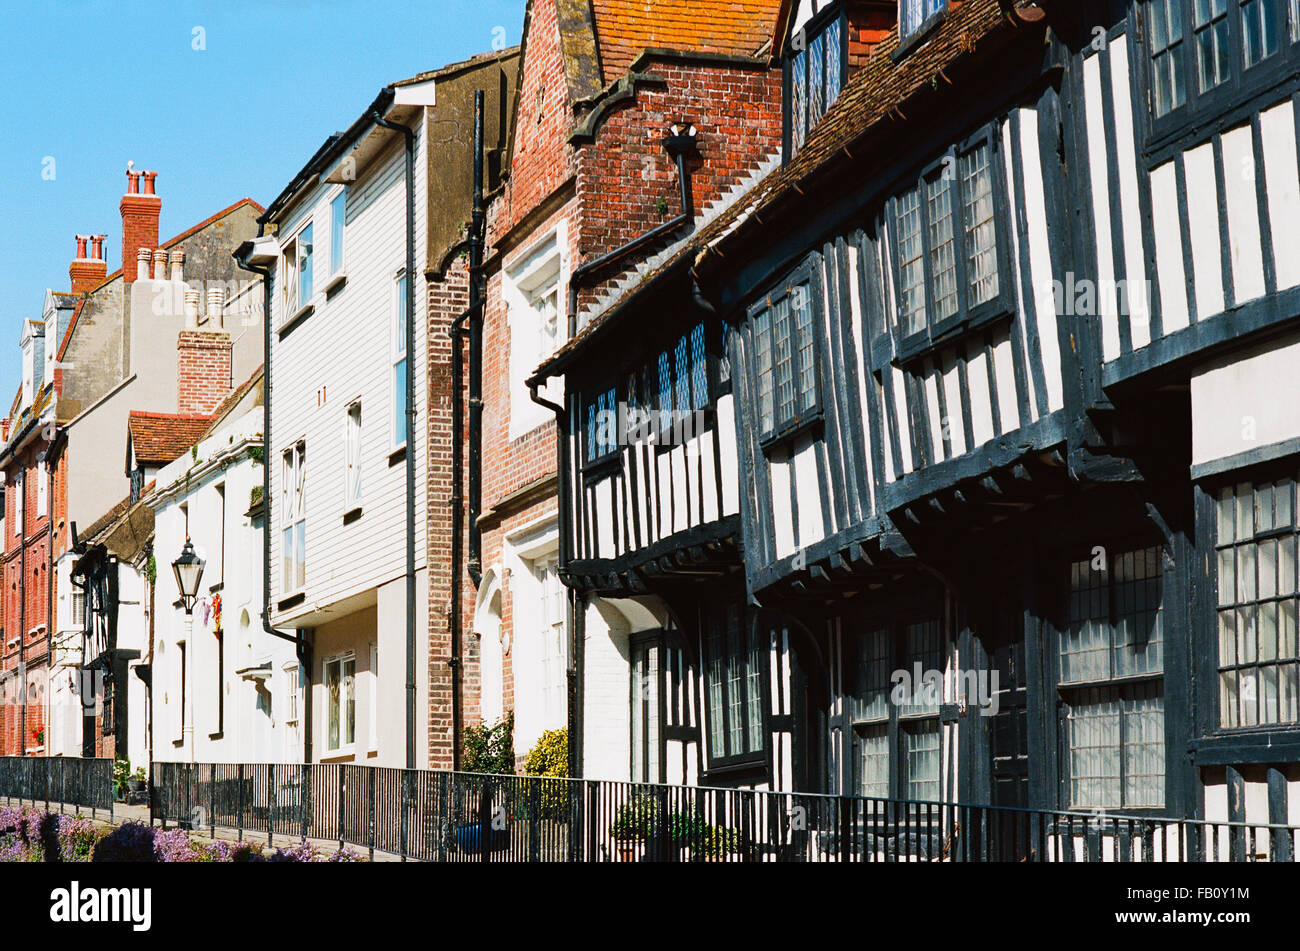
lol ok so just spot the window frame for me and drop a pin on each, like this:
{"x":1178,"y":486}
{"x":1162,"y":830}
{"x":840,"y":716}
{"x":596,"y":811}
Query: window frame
{"x":1254,"y":478}
{"x":293,"y":512}
{"x":353,"y":487}
{"x":648,"y":644}
{"x":1065,"y":695}
{"x":750,"y":627}
{"x":816,"y":28}
{"x":338,"y":660}
{"x":899,"y":719}
{"x":967,"y":318}
{"x":785,"y":429}
{"x":1202,"y":113}
{"x":293,"y":273}
{"x":338,"y":232}
{"x":595,"y":461}
{"x":399,"y":357}
{"x":544,"y":566}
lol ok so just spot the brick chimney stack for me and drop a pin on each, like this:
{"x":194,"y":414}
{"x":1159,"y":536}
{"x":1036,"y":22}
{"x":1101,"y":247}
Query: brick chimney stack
{"x":89,"y":268}
{"x":202,"y":368}
{"x":140,"y":211}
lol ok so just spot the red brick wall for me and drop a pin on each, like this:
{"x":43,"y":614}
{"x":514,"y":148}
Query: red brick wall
{"x":202,"y":370}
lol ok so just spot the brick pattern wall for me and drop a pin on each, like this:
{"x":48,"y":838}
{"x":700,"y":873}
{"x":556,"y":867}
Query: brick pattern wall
{"x":139,"y":229}
{"x":202,"y":370}
{"x":447,"y":299}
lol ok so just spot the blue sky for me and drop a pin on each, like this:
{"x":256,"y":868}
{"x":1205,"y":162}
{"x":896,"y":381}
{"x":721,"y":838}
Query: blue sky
{"x":89,"y":84}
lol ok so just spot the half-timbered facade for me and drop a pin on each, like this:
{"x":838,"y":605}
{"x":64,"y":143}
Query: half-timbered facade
{"x":1010,"y":343}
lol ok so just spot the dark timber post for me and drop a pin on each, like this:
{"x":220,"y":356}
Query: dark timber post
{"x":371,"y":784}
{"x":239,"y":780}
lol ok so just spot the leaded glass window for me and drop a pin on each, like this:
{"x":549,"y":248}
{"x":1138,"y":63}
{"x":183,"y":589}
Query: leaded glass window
{"x":815,"y":66}
{"x":785,"y":354}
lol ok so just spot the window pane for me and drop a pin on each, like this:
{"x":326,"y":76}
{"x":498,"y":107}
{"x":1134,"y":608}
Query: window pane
{"x":332,"y":684}
{"x":338,"y":212}
{"x":1139,"y":631}
{"x":834,"y":60}
{"x":286,"y":560}
{"x":735,"y":689}
{"x":754,"y":690}
{"x":1210,"y":27}
{"x":799,"y":98}
{"x":1144,"y":747}
{"x":939,"y":240}
{"x":399,"y":402}
{"x":304,"y":265}
{"x":699,"y":369}
{"x":763,"y":366}
{"x":921,"y":761}
{"x":716,"y":658}
{"x":922,"y":642}
{"x":816,"y":79}
{"x":803,"y":321}
{"x":1093,"y":724}
{"x":349,"y":700}
{"x":871,"y":702}
{"x":300,"y":555}
{"x":1085,"y":641}
{"x":981,"y":239}
{"x":873,"y":762}
{"x":911,"y":268}
{"x":1259,"y":21}
{"x":681,"y":362}
{"x":783,"y":361}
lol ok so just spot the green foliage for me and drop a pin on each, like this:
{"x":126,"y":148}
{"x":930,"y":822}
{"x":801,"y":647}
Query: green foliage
{"x":640,"y":818}
{"x":714,"y":842}
{"x":661,"y":206}
{"x":257,"y":453}
{"x":151,"y":569}
{"x":490,"y":749}
{"x":255,"y":497}
{"x":550,"y":756}
{"x":121,"y":773}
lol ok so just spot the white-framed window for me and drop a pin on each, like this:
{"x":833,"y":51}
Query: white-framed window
{"x":534,"y":295}
{"x":78,"y":609}
{"x":339,"y":676}
{"x":338,"y":216}
{"x":554,"y":653}
{"x":399,"y":360}
{"x":373,"y":711}
{"x":291,"y":676}
{"x":293,"y":518}
{"x":296,"y":287}
{"x":42,"y":489}
{"x":352,"y":445}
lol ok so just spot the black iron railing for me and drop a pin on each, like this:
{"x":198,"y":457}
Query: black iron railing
{"x":58,"y":780}
{"x":458,"y":817}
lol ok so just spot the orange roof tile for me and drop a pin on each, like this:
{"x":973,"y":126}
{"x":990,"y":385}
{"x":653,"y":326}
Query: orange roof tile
{"x":158,"y":438}
{"x":624,"y":28}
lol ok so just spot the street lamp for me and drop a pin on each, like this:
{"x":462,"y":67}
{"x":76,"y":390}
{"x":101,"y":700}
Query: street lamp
{"x":189,"y":570}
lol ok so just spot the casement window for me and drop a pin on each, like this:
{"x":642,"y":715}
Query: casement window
{"x":297,"y":285}
{"x":1111,"y":684}
{"x":1256,"y":548}
{"x":352,"y":449}
{"x":78,"y":609}
{"x":602,"y":436}
{"x":915,"y":17}
{"x":398,"y":348}
{"x":293,"y":519}
{"x":338,"y":216}
{"x":815,"y":71}
{"x":897,"y":740}
{"x":554,"y":653}
{"x":786,"y":354}
{"x":948,"y":246}
{"x":735,"y":658}
{"x":1207,"y":55}
{"x":339,"y":677}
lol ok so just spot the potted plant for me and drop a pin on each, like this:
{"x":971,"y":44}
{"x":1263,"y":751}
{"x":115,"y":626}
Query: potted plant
{"x":138,"y":780}
{"x":121,"y":777}
{"x":715,"y":843}
{"x":634,"y":822}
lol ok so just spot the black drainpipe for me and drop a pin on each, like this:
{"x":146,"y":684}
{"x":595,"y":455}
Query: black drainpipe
{"x":474,"y":314}
{"x":410,"y":429}
{"x":680,"y":145}
{"x":299,"y":640}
